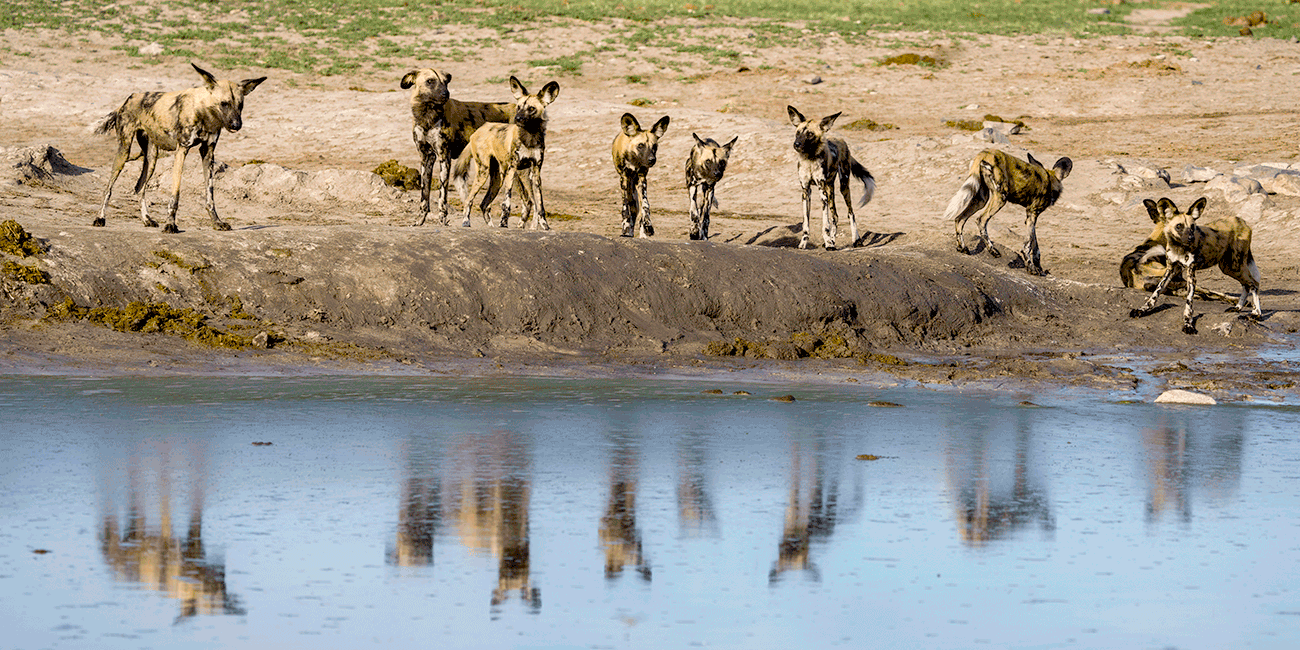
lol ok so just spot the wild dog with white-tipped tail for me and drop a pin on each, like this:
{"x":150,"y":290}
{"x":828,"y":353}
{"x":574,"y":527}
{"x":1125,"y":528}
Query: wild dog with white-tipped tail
{"x":823,"y":158}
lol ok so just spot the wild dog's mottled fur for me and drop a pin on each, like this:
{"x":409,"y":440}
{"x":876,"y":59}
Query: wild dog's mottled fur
{"x":1225,"y":243}
{"x":512,"y":154}
{"x":634,"y":154}
{"x":822,"y":158}
{"x":997,"y":178}
{"x":441,"y":127}
{"x":175,"y":121}
{"x":704,"y":168}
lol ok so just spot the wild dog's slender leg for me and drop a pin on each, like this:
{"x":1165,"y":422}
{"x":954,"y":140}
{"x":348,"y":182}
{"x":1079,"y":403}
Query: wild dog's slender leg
{"x":538,"y":207}
{"x":177,"y":168}
{"x":427,"y":161}
{"x":629,"y":200}
{"x":1150,"y":304}
{"x":480,"y":179}
{"x":1030,"y":252}
{"x":1189,"y":325}
{"x":119,"y":161}
{"x":647,"y":227}
{"x":444,"y":178}
{"x":207,"y":151}
{"x":806,"y":181}
{"x":149,"y":156}
{"x":995,"y":203}
{"x":696,"y":190}
{"x":705,"y":210}
{"x":848,"y":205}
{"x":830,"y":220}
{"x":511,"y":177}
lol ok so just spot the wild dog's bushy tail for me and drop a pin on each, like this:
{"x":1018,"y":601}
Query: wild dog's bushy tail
{"x":969,"y":199}
{"x":144,"y":169}
{"x":111,"y":122}
{"x":868,"y":181}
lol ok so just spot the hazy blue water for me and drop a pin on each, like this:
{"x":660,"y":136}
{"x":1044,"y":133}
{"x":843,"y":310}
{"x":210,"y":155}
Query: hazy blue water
{"x":402,"y":513}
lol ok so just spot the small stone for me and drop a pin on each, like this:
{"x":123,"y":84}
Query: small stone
{"x":262,"y":341}
{"x":992,"y":135}
{"x":867,"y":457}
{"x":813,"y":80}
{"x":1194,"y":174}
{"x":742,"y":392}
{"x":711,"y":391}
{"x":1099,"y":11}
{"x":1029,"y":405}
{"x":784,"y":398}
{"x":1179,"y":396}
{"x":884,"y":404}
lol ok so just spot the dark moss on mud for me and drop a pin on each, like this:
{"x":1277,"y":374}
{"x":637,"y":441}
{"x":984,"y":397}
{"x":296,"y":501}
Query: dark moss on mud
{"x":15,"y":240}
{"x":868,"y":124}
{"x":399,"y":175}
{"x":965,"y":125}
{"x":27,"y":274}
{"x":803,"y":345}
{"x":911,"y":58}
{"x":150,"y":318}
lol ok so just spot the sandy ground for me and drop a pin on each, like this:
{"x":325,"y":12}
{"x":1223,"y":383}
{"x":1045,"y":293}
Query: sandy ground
{"x":322,"y":253}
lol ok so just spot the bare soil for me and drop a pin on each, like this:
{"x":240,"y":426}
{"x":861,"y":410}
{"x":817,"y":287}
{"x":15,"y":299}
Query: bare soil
{"x":323,"y":260}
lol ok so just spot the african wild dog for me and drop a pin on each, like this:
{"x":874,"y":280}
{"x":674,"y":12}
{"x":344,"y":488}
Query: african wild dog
{"x":704,"y":168}
{"x":1147,"y":264}
{"x":997,"y":178}
{"x":1225,"y":243}
{"x":175,"y":121}
{"x":634,"y":154}
{"x":441,"y":127}
{"x":822,"y":158}
{"x":511,"y":154}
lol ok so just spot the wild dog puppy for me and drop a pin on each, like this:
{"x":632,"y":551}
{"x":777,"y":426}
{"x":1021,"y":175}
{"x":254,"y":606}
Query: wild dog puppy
{"x":634,"y":154}
{"x":441,"y":127}
{"x":175,"y":121}
{"x":704,"y":168}
{"x":1225,"y":243}
{"x":822,"y":158}
{"x":997,"y":178}
{"x":511,"y":154}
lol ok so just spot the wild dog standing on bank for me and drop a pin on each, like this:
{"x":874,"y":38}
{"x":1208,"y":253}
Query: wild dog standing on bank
{"x":441,"y":127}
{"x":175,"y":121}
{"x":704,"y":168}
{"x":1225,"y":243}
{"x":634,"y":154}
{"x":506,"y":153}
{"x":821,"y":159}
{"x":997,"y":178}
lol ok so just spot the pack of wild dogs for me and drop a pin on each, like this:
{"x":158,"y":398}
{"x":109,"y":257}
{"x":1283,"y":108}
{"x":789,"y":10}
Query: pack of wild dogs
{"x":505,"y":145}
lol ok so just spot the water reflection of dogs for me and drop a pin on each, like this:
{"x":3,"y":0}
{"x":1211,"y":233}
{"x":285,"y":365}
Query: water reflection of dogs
{"x":491,"y":511}
{"x":150,"y":554}
{"x":985,"y":506}
{"x":1177,"y":462}
{"x":418,"y":518}
{"x":810,"y":514}
{"x":696,"y":516}
{"x":619,"y":534}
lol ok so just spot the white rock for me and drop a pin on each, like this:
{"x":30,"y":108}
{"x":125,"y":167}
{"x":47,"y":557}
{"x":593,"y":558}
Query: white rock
{"x":1178,"y":396}
{"x":1194,"y":174}
{"x":1235,"y":188}
{"x":1006,"y":128}
{"x":992,"y":135}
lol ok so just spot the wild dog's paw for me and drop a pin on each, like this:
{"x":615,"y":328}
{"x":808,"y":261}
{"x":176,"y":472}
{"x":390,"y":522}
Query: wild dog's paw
{"x":221,"y":225}
{"x":1136,"y":313}
{"x":1189,"y":328}
{"x":170,"y":229}
{"x":993,"y":250}
{"x":150,"y":223}
{"x":98,"y":223}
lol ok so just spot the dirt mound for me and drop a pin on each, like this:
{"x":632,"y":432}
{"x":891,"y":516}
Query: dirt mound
{"x":38,"y":164}
{"x":274,"y":184}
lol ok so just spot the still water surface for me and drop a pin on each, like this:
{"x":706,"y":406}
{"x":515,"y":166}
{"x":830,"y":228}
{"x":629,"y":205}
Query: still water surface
{"x":404,"y":513}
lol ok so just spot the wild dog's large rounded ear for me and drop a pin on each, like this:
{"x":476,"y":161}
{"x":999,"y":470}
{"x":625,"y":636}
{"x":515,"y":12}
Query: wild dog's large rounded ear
{"x":1032,"y":160}
{"x":697,"y":139}
{"x":796,"y":118}
{"x":631,"y":127}
{"x":446,"y":77}
{"x":1167,"y":208}
{"x":207,"y":76}
{"x":829,"y":120}
{"x":731,"y":144}
{"x":1063,"y":167}
{"x":1152,"y":210}
{"x":1195,"y":209}
{"x":408,"y":79}
{"x":550,"y":91}
{"x":517,"y":87}
{"x":248,"y":85}
{"x":659,"y":127}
